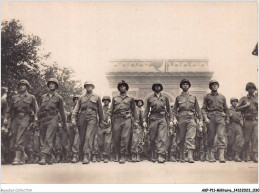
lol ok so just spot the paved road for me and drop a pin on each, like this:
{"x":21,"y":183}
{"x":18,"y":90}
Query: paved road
{"x":143,"y":172}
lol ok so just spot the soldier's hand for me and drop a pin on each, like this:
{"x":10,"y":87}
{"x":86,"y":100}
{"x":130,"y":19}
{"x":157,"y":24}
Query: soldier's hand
{"x":171,"y":131}
{"x":175,"y":122}
{"x":242,"y":123}
{"x":201,"y":123}
{"x":145,"y":124}
{"x":207,"y":120}
{"x":247,"y":104}
{"x":200,"y":128}
{"x":171,"y":124}
{"x":136,"y":125}
{"x":5,"y":121}
{"x":73,"y":121}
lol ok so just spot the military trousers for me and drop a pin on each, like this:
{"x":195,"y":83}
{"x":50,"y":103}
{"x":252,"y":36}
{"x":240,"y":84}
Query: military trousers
{"x":235,"y":137}
{"x":19,"y":132}
{"x":87,"y":133}
{"x":121,"y":134}
{"x":136,"y":146}
{"x":251,"y":135}
{"x":158,"y":133}
{"x":216,"y":129}
{"x":171,"y":144}
{"x":48,"y":128}
{"x":186,"y":132}
{"x":74,"y":141}
{"x":104,"y":141}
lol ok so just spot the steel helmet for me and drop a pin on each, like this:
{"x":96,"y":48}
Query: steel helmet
{"x":157,"y":83}
{"x":185,"y":81}
{"x":106,"y":98}
{"x":212,"y":82}
{"x":250,"y":85}
{"x":89,"y":83}
{"x":122,"y":83}
{"x":23,"y":81}
{"x":54,"y":80}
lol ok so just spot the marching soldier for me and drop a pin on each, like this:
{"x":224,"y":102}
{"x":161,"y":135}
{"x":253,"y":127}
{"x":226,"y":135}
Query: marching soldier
{"x":87,"y":109}
{"x":136,"y":146}
{"x":235,"y":134}
{"x":19,"y":118}
{"x":158,"y":106}
{"x":74,"y":133}
{"x":122,"y":111}
{"x":187,"y":108}
{"x":171,"y":141}
{"x":51,"y":106}
{"x":216,"y":115}
{"x":105,"y":134}
{"x":248,"y":105}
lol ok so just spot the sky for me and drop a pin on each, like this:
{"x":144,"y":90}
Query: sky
{"x":87,"y":35}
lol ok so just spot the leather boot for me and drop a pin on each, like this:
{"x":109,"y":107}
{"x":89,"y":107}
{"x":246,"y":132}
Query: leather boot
{"x":221,"y":156}
{"x":122,"y":159}
{"x":237,"y":158}
{"x":50,"y":159}
{"x":74,"y":158}
{"x":161,"y":158}
{"x":36,"y":159}
{"x":255,"y":157}
{"x":186,"y":156}
{"x":94,"y":158}
{"x":138,"y":159}
{"x":211,"y":156}
{"x":105,"y":158}
{"x":57,"y":158}
{"x":133,"y":157}
{"x":43,"y":160}
{"x":172,"y":158}
{"x":202,"y":156}
{"x":190,"y":156}
{"x":30,"y":159}
{"x":116,"y":157}
{"x":17,"y":159}
{"x":207,"y":155}
{"x":85,"y":158}
{"x":182,"y":159}
{"x":153,"y":156}
{"x":101,"y":157}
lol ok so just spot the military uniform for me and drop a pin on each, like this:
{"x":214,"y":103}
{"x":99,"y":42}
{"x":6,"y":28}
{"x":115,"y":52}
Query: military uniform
{"x":50,"y":108}
{"x":216,"y":110}
{"x":87,"y":109}
{"x":187,"y":108}
{"x":136,"y":146}
{"x":105,"y":134}
{"x":250,"y":115}
{"x":19,"y":116}
{"x":235,"y":134}
{"x":160,"y":112}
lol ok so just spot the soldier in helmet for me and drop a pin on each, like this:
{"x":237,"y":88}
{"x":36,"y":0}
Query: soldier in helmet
{"x":136,"y":146}
{"x":105,"y":134}
{"x":50,"y":108}
{"x":89,"y":112}
{"x":187,"y":108}
{"x":235,"y":134}
{"x":122,"y":111}
{"x":158,"y":106}
{"x":216,"y":115}
{"x":248,"y":105}
{"x":19,"y":117}
{"x":74,"y":133}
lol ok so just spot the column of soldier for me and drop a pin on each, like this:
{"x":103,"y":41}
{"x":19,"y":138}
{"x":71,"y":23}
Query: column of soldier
{"x":125,"y":131}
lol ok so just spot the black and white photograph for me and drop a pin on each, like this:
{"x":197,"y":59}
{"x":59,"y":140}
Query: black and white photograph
{"x":129,"y":93}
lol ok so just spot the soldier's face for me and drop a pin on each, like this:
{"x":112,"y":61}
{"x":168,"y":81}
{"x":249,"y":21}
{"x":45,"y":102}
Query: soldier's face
{"x":23,"y":87}
{"x":185,"y":86}
{"x":214,"y":86}
{"x":140,"y":103}
{"x":122,"y":88}
{"x":106,"y":102}
{"x":157,"y":88}
{"x":234,"y":103}
{"x":89,"y":88}
{"x":52,"y":86}
{"x":251,"y":90}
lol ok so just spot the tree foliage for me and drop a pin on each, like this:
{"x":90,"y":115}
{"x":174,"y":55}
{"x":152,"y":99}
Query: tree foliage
{"x":22,"y":59}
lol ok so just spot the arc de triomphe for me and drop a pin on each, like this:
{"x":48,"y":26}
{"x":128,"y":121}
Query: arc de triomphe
{"x":141,"y":74}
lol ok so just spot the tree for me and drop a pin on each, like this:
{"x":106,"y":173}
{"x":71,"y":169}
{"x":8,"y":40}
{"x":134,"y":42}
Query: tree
{"x":20,"y":57}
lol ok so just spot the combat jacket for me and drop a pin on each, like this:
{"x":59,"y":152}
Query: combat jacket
{"x":123,"y":106}
{"x":157,"y":105}
{"x":186,"y":103}
{"x":215,"y":102}
{"x":235,"y":117}
{"x":252,"y":110}
{"x":26,"y":104}
{"x":52,"y":105}
{"x":89,"y":104}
